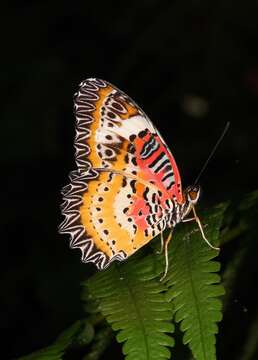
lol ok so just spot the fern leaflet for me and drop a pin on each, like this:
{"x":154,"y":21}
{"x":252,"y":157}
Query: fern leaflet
{"x":133,"y":301}
{"x":56,"y":351}
{"x":193,"y":285}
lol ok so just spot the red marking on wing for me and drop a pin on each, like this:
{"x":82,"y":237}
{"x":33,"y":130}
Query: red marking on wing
{"x":148,"y":174}
{"x":140,"y":220}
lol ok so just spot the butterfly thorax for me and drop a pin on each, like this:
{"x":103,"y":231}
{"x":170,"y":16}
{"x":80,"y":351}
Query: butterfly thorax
{"x":181,"y":210}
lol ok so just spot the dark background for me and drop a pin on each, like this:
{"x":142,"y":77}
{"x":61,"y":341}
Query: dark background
{"x":191,"y":65}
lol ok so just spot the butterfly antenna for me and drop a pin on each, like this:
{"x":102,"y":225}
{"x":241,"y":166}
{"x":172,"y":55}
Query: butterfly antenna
{"x":212,"y":152}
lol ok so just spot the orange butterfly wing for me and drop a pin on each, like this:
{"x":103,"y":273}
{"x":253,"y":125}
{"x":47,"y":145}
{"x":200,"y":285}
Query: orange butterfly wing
{"x":111,"y":216}
{"x":121,"y":193}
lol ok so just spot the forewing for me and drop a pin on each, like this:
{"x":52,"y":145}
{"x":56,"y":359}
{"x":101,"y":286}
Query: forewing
{"x":113,"y":132}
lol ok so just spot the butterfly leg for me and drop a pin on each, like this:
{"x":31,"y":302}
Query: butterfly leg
{"x":197,"y":219}
{"x":161,"y":243}
{"x":166,"y":242}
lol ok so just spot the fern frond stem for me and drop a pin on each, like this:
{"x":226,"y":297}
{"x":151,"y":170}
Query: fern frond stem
{"x":189,"y":262}
{"x":137,"y":311}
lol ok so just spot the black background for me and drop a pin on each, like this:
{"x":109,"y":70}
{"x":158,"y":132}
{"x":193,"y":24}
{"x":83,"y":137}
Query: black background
{"x":191,"y":65}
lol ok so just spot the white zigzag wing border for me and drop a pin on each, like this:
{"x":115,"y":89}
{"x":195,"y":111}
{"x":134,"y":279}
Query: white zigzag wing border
{"x":72,"y":194}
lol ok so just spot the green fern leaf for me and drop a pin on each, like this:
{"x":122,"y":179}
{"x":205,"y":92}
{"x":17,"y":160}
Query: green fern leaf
{"x":193,"y":284}
{"x":101,"y":341}
{"x":133,"y":301}
{"x":56,"y":351}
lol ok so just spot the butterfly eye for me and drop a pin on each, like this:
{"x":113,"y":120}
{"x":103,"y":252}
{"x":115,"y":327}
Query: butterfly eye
{"x":193,"y":195}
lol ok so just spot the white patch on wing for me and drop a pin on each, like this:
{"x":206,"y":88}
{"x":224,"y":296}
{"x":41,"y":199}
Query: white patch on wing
{"x":169,"y":180}
{"x":134,"y":125}
{"x":105,"y":136}
{"x":121,"y":202}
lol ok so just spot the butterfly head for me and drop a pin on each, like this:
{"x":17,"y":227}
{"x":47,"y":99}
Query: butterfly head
{"x":191,"y":197}
{"x":192,"y":194}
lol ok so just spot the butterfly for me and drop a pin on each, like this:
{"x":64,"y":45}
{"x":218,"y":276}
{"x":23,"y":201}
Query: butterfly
{"x":127,"y":187}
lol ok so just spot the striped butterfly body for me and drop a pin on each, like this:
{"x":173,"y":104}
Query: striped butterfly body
{"x":127,"y":187}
